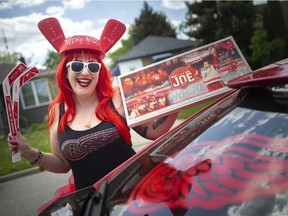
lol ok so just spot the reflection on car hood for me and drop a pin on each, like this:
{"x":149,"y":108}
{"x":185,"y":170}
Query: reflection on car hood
{"x":237,"y":165}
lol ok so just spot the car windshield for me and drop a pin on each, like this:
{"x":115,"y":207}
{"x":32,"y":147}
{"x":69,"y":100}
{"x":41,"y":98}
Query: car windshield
{"x":70,"y":204}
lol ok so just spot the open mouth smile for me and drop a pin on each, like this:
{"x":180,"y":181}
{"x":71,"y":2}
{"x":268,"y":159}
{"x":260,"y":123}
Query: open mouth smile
{"x":83,"y":82}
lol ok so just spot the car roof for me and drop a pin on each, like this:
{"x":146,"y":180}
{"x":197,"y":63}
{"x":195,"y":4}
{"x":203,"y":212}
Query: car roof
{"x":273,"y":73}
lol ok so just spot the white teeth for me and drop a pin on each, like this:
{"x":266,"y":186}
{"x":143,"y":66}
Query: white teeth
{"x":84,"y":80}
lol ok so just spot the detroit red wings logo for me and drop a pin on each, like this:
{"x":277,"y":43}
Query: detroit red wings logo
{"x":76,"y":149}
{"x":211,"y":175}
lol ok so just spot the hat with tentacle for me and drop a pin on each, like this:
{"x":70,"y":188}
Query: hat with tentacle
{"x":52,"y":31}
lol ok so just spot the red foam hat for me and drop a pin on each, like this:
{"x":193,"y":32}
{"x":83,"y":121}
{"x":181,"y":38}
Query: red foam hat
{"x":52,"y":30}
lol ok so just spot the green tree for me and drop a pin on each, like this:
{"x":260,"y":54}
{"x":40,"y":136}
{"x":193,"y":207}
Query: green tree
{"x":52,"y":60}
{"x":277,"y":33}
{"x":236,"y":18}
{"x":11,"y":58}
{"x":201,"y":21}
{"x":151,"y":23}
{"x":260,"y":46}
{"x":208,"y":21}
{"x":148,"y":23}
{"x":126,"y":45}
{"x":273,"y":20}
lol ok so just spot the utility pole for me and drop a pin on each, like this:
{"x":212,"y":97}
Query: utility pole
{"x":5,"y":40}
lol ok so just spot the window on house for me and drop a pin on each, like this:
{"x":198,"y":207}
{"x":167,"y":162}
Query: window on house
{"x":35,"y":93}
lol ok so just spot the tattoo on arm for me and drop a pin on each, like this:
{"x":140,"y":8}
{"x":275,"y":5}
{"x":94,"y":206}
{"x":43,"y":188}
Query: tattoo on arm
{"x":141,"y":130}
{"x":158,"y":122}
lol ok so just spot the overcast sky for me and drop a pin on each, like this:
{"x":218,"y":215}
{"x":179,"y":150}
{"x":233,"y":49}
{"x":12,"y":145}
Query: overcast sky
{"x":19,"y":18}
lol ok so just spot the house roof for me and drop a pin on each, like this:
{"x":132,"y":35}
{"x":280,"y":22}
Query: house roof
{"x":155,"y":45}
{"x":5,"y":69}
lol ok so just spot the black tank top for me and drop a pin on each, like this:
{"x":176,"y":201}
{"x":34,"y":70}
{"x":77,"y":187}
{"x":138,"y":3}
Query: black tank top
{"x":93,"y":153}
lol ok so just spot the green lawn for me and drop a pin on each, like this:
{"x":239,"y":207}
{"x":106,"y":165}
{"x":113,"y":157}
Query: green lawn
{"x":184,"y":114}
{"x":38,"y":138}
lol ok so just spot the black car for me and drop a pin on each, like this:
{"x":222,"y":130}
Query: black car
{"x":228,"y":159}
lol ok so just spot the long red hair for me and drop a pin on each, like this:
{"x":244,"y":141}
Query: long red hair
{"x":104,"y":90}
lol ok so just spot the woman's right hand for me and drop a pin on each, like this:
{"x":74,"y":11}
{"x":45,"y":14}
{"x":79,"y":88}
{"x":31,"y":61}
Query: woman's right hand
{"x":19,"y":142}
{"x":53,"y":162}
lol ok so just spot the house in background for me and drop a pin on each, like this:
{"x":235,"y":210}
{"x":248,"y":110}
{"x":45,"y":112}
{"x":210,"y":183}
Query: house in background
{"x":35,"y":96}
{"x":151,"y":50}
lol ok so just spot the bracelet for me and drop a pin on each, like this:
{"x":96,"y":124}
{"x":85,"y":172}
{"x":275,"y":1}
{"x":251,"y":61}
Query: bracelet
{"x":39,"y":157}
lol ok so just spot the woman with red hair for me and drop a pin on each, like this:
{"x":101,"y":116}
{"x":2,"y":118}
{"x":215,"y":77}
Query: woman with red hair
{"x":86,"y":121}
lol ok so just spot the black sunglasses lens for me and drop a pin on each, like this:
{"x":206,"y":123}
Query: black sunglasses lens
{"x":77,"y":66}
{"x":93,"y":67}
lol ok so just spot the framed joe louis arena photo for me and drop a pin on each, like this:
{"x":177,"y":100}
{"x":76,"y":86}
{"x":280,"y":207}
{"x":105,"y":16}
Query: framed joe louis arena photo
{"x":181,"y":81}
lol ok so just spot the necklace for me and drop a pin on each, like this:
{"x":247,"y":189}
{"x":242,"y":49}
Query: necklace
{"x":85,"y":111}
{"x":88,"y":125}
